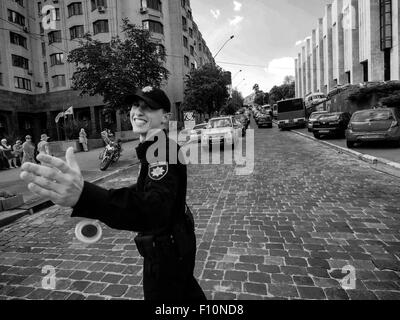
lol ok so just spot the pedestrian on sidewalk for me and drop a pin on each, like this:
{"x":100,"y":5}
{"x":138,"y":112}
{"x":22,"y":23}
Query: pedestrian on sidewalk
{"x":155,"y":206}
{"x":18,"y":151}
{"x":83,"y":140}
{"x":29,"y":150}
{"x":8,"y":153}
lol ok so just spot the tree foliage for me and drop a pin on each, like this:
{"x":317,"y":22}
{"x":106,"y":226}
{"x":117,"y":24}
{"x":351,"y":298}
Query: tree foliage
{"x":206,"y":89}
{"x":235,"y":103}
{"x":113,"y":69}
{"x":388,"y":93}
{"x":282,"y":92}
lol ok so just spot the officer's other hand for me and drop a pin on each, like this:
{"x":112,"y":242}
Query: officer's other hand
{"x":60,"y":181}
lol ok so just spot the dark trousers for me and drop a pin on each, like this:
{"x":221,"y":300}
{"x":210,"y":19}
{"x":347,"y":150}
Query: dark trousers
{"x":170,"y":278}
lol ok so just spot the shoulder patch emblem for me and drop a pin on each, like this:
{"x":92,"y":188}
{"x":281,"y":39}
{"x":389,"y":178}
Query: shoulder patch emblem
{"x":158,"y":171}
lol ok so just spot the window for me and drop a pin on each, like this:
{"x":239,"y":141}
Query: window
{"x":20,"y":62}
{"x":192,"y":66}
{"x":58,"y":14}
{"x":186,"y":61}
{"x":20,"y":2}
{"x":386,"y":24}
{"x":59,"y":81}
{"x":1,"y":79}
{"x":43,"y":49}
{"x":57,"y":59}
{"x":183,"y":3}
{"x":98,"y":3}
{"x":47,"y":87}
{"x":39,"y":7}
{"x":22,"y":83}
{"x":46,"y":70}
{"x":100,"y":26}
{"x":200,"y":47}
{"x":18,"y":40}
{"x":152,"y":4}
{"x":191,"y":32}
{"x":185,"y":42}
{"x":54,"y":36}
{"x":153,"y":26}
{"x":75,"y":9}
{"x":365,"y":70}
{"x":77,"y":32}
{"x":189,"y":15}
{"x":15,"y":17}
{"x":192,"y":50}
{"x":41,"y":28}
{"x":184,"y":23}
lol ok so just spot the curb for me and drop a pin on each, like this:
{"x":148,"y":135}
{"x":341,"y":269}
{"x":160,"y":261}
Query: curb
{"x":379,"y":164}
{"x":8,"y":217}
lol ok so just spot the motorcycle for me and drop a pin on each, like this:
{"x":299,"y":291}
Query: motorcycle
{"x":110,"y":154}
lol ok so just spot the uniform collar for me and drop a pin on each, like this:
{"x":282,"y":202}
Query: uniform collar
{"x":142,"y":148}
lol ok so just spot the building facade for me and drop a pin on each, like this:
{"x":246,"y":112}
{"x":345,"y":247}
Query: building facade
{"x":35,"y":79}
{"x":356,"y":41}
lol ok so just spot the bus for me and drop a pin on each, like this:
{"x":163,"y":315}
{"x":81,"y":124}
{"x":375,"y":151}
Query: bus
{"x":291,"y":114}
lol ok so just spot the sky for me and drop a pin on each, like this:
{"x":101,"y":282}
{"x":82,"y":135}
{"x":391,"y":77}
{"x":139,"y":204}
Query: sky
{"x":265,"y":36}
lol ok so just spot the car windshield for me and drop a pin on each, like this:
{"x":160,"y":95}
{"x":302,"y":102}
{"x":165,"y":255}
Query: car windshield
{"x":220,"y":123}
{"x":200,"y":126}
{"x":373,"y":115}
{"x":315,"y":116}
{"x":330,"y":117}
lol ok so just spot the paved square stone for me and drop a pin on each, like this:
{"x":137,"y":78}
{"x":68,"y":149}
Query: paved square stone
{"x":282,"y":290}
{"x":268,"y":268}
{"x":281,"y":279}
{"x":259,"y":277}
{"x":311,"y":293}
{"x":303,"y":281}
{"x":298,"y":262}
{"x":336,"y":294}
{"x":388,"y":295}
{"x":112,"y":278}
{"x":213,"y":274}
{"x":79,"y":285}
{"x":115,"y":290}
{"x":95,"y":288}
{"x":361,"y":295}
{"x":255,"y":288}
{"x":236,"y":275}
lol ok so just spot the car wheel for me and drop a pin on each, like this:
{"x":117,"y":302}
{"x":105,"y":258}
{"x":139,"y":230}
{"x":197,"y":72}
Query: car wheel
{"x":350,"y":144}
{"x":317,"y":135}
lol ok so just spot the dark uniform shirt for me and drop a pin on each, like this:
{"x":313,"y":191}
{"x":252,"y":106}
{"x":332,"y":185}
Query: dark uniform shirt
{"x":151,"y":207}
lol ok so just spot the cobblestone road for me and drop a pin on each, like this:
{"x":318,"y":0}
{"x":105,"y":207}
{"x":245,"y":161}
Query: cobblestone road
{"x":284,"y":232}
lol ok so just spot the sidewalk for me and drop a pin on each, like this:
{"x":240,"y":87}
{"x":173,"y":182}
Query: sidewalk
{"x":89,"y":164}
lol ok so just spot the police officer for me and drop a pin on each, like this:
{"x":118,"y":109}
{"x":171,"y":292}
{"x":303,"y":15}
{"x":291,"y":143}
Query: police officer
{"x":155,"y":207}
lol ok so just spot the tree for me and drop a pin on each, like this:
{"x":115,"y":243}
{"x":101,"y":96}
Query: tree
{"x":113,"y":69}
{"x":234,"y":104}
{"x":206,"y":89}
{"x":285,"y":91}
{"x":288,"y":80}
{"x":259,"y":98}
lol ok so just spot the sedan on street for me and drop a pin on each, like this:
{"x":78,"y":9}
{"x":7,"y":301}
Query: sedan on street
{"x":314,"y":117}
{"x":382,"y":124}
{"x":334,"y":123}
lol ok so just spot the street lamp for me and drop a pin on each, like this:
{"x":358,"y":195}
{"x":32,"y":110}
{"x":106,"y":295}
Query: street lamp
{"x":224,"y":45}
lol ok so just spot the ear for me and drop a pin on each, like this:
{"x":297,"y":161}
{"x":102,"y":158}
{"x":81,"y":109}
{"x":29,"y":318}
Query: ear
{"x":166,"y":117}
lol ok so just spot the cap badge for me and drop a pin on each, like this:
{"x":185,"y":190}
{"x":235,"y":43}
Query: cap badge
{"x":147,"y":89}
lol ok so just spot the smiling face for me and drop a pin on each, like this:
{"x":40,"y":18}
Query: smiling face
{"x":144,"y":119}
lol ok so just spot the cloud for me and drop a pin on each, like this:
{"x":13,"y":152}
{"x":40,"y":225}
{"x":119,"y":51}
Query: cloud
{"x":238,"y":6}
{"x":235,"y":21}
{"x":216,"y":13}
{"x":281,"y":67}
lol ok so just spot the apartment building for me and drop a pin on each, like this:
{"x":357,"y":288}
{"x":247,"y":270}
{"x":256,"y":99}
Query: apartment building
{"x":356,"y":41}
{"x":35,"y":79}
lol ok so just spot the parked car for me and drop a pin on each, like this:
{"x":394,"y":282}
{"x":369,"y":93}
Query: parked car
{"x":264,"y":120}
{"x":196,"y":132}
{"x":381,"y":124}
{"x":331,"y":124}
{"x":184,"y":136}
{"x":221,"y":131}
{"x":314,"y":117}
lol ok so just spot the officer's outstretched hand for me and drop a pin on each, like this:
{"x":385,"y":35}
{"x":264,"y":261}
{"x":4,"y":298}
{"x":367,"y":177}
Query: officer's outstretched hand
{"x":58,"y":180}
